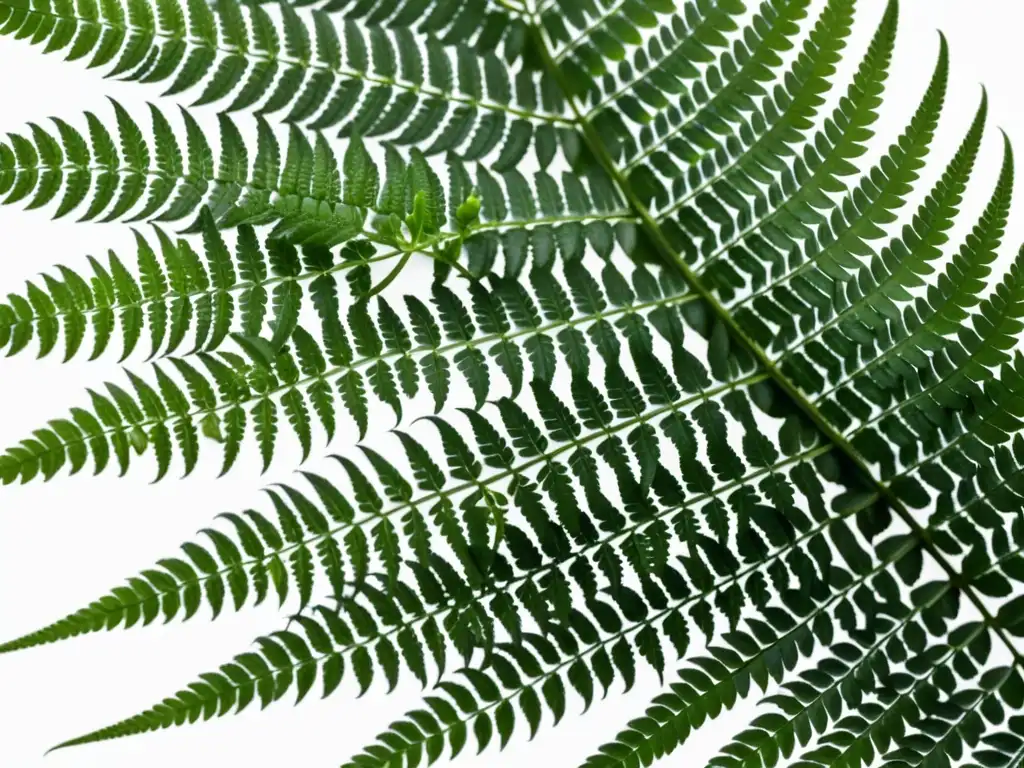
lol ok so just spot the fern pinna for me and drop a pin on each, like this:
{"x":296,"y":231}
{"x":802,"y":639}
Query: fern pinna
{"x":708,"y":393}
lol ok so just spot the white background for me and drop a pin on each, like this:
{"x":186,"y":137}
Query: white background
{"x":65,"y":543}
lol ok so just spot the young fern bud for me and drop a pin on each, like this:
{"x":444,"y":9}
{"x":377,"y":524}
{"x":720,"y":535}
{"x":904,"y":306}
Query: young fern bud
{"x":468,"y":212}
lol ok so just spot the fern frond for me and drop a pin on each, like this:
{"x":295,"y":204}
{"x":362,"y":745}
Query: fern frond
{"x":716,"y":101}
{"x":369,"y":636}
{"x":803,"y":279}
{"x":927,"y":405}
{"x":773,"y":128}
{"x":44,"y":166}
{"x":1003,"y":743}
{"x":441,"y":625}
{"x":798,"y":194}
{"x":391,"y":356}
{"x":313,"y":196}
{"x":873,"y":294}
{"x":942,"y":208}
{"x":662,"y":65}
{"x":903,"y":350}
{"x":712,"y":684}
{"x":799,"y":435}
{"x":848,"y":680}
{"x":719,"y":681}
{"x":926,"y":694}
{"x":857,"y":672}
{"x":373,"y":78}
{"x":704,"y":586}
{"x":171,"y":291}
{"x":847,"y":743}
{"x":465,"y":486}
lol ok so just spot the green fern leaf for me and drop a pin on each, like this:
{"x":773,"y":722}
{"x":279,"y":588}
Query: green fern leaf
{"x":704,"y":381}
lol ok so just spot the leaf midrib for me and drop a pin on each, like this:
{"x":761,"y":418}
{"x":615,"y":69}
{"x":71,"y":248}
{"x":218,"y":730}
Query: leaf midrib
{"x":651,"y":227}
{"x":243,"y":285}
{"x":452,"y":345}
{"x":651,"y":620}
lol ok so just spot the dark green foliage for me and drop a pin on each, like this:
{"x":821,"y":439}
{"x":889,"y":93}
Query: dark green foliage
{"x":369,"y":349}
{"x":703,"y":394}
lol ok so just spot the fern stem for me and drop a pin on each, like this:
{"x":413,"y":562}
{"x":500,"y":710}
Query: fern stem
{"x":661,"y":242}
{"x":392,"y":275}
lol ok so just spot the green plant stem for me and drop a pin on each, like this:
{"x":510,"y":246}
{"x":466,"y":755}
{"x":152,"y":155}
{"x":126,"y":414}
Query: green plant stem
{"x":674,"y":260}
{"x":392,"y":275}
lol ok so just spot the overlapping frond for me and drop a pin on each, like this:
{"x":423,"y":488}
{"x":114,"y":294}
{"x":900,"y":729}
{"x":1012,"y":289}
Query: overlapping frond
{"x":856,"y":699}
{"x":903,"y":351}
{"x":867,"y":301}
{"x":519,"y":576}
{"x":596,"y":418}
{"x":178,"y":297}
{"x":152,"y":42}
{"x":701,"y":120}
{"x":171,"y":185}
{"x":314,"y":195}
{"x":589,"y":39}
{"x":367,"y":347}
{"x":771,"y":124}
{"x":173,"y":295}
{"x":383,"y":71}
{"x":770,"y":248}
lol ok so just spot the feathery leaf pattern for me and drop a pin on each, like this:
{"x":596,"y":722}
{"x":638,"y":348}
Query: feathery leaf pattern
{"x":699,"y":389}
